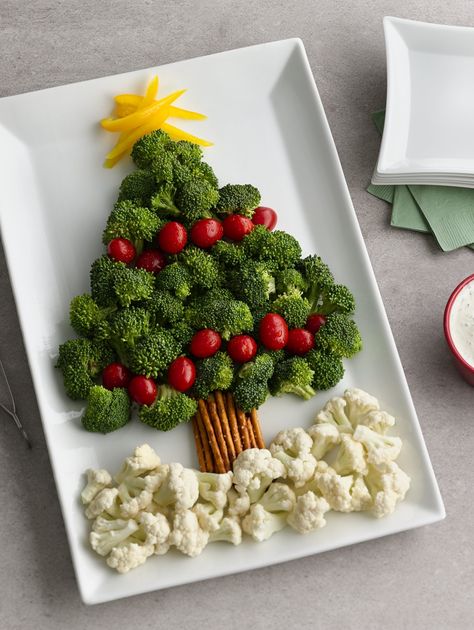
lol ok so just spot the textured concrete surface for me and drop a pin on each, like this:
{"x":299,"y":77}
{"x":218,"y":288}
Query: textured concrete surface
{"x":420,"y":579}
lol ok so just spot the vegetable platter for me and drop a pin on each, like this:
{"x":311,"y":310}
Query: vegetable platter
{"x":269,"y":129}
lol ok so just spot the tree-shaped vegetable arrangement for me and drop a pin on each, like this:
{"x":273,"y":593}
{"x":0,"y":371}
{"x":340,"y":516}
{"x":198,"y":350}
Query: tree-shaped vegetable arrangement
{"x":197,"y":294}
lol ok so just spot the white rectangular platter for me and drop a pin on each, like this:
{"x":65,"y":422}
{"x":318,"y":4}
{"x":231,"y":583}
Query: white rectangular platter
{"x":269,"y":128}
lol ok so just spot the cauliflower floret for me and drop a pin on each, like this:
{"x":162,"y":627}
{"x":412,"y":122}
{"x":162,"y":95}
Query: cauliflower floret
{"x":350,"y":457}
{"x":228,"y":531}
{"x":239,"y":503}
{"x":107,"y":500}
{"x":308,"y":513}
{"x":388,"y":485}
{"x":361,"y":499}
{"x":180,"y":487}
{"x":107,"y":534}
{"x":208,"y":515}
{"x":261,"y":524}
{"x":154,"y":531}
{"x":293,"y":448}
{"x":278,"y":498}
{"x":380,"y":448}
{"x":324,"y":437}
{"x":362,"y":408}
{"x":144,"y":460}
{"x":254,"y":470}
{"x":214,"y":487}
{"x":128,"y":556}
{"x":136,"y":493}
{"x":187,"y":535}
{"x":334,"y":412}
{"x":97,"y":480}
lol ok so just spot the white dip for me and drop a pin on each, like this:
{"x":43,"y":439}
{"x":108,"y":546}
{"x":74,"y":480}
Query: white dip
{"x":461,"y":323}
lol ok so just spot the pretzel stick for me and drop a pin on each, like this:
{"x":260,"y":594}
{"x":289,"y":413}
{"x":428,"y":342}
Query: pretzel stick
{"x":253,"y":443}
{"x":205,"y":443}
{"x":225,"y":425}
{"x":199,"y":448}
{"x":234,"y":427}
{"x":242,"y":420}
{"x":256,"y":429}
{"x":219,"y":462}
{"x":216,"y":423}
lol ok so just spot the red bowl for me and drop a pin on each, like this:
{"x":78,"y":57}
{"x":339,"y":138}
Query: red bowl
{"x":466,"y":370}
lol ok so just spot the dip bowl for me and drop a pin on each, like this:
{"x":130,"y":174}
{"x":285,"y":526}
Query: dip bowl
{"x":465,"y":368}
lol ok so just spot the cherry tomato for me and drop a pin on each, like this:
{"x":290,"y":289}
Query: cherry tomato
{"x":314,"y":322}
{"x":121,"y":249}
{"x":206,"y":232}
{"x":265,"y":216}
{"x":242,"y":348}
{"x":300,"y":341}
{"x":142,"y":390}
{"x":151,"y":260}
{"x":182,"y":374}
{"x":115,"y":375}
{"x":172,"y":237}
{"x":236,"y":226}
{"x":273,"y":331}
{"x":205,"y":343}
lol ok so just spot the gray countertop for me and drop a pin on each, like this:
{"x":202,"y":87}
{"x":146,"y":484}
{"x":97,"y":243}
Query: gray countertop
{"x":419,"y":579}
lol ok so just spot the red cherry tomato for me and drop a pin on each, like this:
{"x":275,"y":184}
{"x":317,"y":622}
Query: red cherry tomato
{"x":314,"y":322}
{"x":121,"y":249}
{"x":205,"y":343}
{"x":236,"y":226}
{"x":172,"y":237}
{"x":115,"y":375}
{"x":206,"y":232}
{"x":273,"y":331}
{"x":182,"y":374}
{"x":265,"y":216}
{"x":242,"y":348}
{"x":300,"y":341}
{"x":142,"y":390}
{"x":151,"y":260}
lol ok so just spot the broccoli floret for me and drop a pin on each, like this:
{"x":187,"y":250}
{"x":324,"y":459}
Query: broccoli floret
{"x":169,"y":409}
{"x":165,"y":308}
{"x":152,"y":354}
{"x":278,"y":249}
{"x":128,"y":324}
{"x":289,"y":279}
{"x":252,"y":283}
{"x":146,"y":150}
{"x":238,"y":198}
{"x":81,"y":361}
{"x":318,"y":277}
{"x":339,"y":335}
{"x":195,"y":196}
{"x":187,"y":153}
{"x":275,"y":355}
{"x":260,"y":369}
{"x":251,"y":383}
{"x":182,"y":332}
{"x":293,"y":376}
{"x":88,"y":318}
{"x":128,"y":220}
{"x":162,"y":201}
{"x":328,"y":369}
{"x":213,"y":373}
{"x":336,"y":299}
{"x":293,"y":307}
{"x":102,"y":276}
{"x":176,"y":279}
{"x":206,"y":171}
{"x":133,"y":285}
{"x":228,"y":317}
{"x":203,"y":269}
{"x":228,"y":254}
{"x":138,"y":187}
{"x":107,"y":410}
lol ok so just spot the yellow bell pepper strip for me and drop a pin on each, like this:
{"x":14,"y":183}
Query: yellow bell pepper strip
{"x":124,"y":110}
{"x":179,"y":134}
{"x":152,"y":123}
{"x":150,"y":93}
{"x":179,"y":112}
{"x":125,"y":101}
{"x":140,"y":116}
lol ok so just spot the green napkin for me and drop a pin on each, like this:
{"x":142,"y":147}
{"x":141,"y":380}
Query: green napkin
{"x":445,"y":211}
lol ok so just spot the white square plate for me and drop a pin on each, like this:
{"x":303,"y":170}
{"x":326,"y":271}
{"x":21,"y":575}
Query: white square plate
{"x":429,"y":126}
{"x":268,"y":123}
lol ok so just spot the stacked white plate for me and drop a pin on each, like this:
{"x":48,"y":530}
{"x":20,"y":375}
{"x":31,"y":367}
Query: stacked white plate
{"x":428,"y":136}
